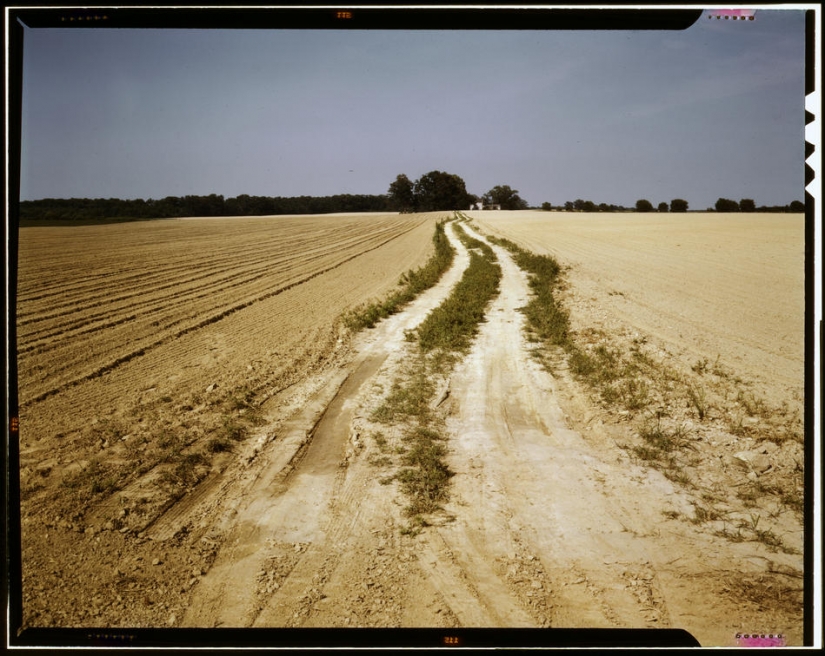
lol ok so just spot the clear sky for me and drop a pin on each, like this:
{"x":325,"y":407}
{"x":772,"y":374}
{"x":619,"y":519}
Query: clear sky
{"x":609,"y":116}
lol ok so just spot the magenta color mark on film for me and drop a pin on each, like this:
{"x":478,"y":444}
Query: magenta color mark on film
{"x":760,"y":640}
{"x":735,"y":14}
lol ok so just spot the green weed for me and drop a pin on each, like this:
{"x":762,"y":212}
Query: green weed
{"x":453,"y":324}
{"x":410,"y":398}
{"x":547,"y":320}
{"x":412,"y":283}
{"x":218,"y":445}
{"x":662,"y":439}
{"x":447,"y":330}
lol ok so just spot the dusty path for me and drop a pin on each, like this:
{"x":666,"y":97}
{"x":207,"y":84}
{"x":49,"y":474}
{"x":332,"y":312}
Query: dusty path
{"x":555,"y":530}
{"x":544,"y":528}
{"x":549,"y":523}
{"x":289,"y":525}
{"x":528,"y":503}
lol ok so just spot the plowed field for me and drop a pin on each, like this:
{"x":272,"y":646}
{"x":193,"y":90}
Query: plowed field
{"x":93,"y":298}
{"x":202,"y":444}
{"x":706,"y":285}
{"x":142,"y":345}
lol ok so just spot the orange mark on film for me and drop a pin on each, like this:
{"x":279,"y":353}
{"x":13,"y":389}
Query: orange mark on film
{"x":14,"y":424}
{"x":345,"y":15}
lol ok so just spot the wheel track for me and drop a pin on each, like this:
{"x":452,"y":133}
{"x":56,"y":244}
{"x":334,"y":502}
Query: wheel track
{"x":314,"y":504}
{"x":524,"y":456}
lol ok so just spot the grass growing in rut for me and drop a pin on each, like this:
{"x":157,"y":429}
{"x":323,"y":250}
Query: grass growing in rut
{"x":548,"y":321}
{"x":447,"y":331}
{"x":412,"y":283}
{"x":454,"y":323}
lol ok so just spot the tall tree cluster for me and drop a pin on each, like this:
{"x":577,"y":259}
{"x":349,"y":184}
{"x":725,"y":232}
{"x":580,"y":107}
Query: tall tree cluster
{"x":749,"y":205}
{"x":433,"y":191}
{"x":505,"y":197}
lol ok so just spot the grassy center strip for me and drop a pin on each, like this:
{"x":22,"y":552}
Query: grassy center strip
{"x":411,"y":405}
{"x":412,"y":283}
{"x":453,"y":324}
{"x":547,"y":320}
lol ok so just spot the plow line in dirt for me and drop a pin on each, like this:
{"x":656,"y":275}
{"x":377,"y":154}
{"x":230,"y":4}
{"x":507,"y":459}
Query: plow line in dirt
{"x":191,"y":323}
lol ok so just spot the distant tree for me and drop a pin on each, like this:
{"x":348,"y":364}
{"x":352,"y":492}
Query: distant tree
{"x":505,"y":197}
{"x":604,"y":207}
{"x":568,"y":206}
{"x":727,"y":205}
{"x":747,"y":205}
{"x":662,"y":207}
{"x":644,"y":205}
{"x":212,"y":205}
{"x":401,"y":194}
{"x":546,"y":206}
{"x":797,"y":206}
{"x":584,"y":205}
{"x":678,"y":205}
{"x":438,"y":190}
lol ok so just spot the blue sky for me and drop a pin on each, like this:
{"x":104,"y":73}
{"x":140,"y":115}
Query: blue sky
{"x":610,"y":116}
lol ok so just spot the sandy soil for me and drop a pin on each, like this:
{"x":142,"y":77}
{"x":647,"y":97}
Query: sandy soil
{"x":550,"y":521}
{"x":705,"y":285}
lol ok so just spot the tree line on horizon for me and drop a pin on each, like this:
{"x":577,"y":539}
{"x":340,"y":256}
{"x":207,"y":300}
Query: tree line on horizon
{"x":211,"y":205}
{"x":433,"y":191}
{"x":748,"y":205}
{"x":676,"y":205}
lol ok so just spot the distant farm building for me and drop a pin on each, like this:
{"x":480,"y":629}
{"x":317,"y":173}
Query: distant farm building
{"x":482,"y":206}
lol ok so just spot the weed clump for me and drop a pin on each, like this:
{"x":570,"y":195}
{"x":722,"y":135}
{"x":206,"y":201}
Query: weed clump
{"x":412,"y":283}
{"x":423,"y":476}
{"x":453,"y":324}
{"x":548,"y":321}
{"x":409,"y":398}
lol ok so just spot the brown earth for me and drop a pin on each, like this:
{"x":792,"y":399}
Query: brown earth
{"x":551,"y":521}
{"x":141,"y":349}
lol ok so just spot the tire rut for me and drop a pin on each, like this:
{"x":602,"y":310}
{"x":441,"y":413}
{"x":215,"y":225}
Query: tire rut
{"x":310,"y":505}
{"x":528,"y":482}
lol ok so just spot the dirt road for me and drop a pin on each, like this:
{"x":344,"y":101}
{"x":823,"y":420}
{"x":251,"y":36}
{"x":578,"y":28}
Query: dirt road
{"x":306,"y":537}
{"x":549,"y":524}
{"x":543,"y":528}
